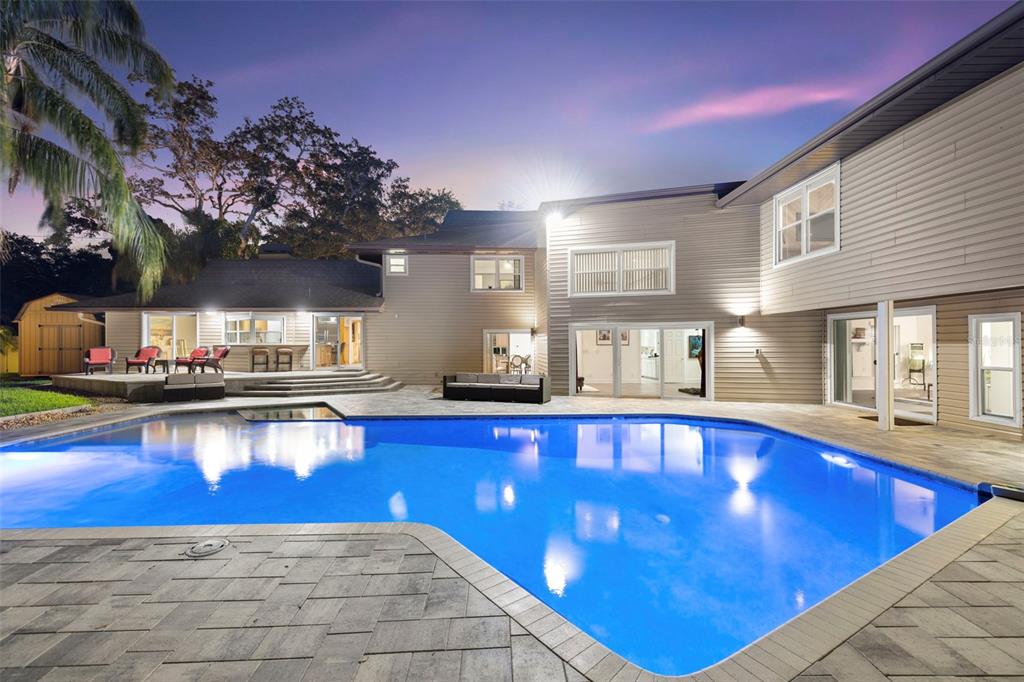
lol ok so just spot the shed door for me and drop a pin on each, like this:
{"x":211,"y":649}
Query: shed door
{"x":60,"y":348}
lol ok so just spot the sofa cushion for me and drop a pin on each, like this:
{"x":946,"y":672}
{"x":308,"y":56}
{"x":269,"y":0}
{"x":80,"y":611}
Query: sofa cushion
{"x":531,"y":380}
{"x":487,"y":378}
{"x":509,"y":379}
{"x":465,"y":378}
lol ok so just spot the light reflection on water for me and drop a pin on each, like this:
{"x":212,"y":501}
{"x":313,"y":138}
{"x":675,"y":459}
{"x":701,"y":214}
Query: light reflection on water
{"x":654,"y":535}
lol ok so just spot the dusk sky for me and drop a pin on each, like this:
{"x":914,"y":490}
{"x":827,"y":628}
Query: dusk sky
{"x":536,"y":101}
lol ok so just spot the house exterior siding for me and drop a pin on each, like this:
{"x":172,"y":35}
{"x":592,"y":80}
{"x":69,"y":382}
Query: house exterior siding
{"x":432,"y":323}
{"x":123,"y":332}
{"x":932,"y":209}
{"x":716,"y":279}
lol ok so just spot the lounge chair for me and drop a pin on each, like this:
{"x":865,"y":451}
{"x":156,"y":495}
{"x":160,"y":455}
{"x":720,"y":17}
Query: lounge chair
{"x":193,"y":360}
{"x":219,"y":353}
{"x":143,"y":359}
{"x":101,"y":356}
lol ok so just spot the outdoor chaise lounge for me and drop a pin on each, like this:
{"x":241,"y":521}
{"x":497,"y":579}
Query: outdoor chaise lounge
{"x":102,"y":356}
{"x":143,"y":359}
{"x":504,"y":388}
{"x":194,"y":359}
{"x":214,"y":361}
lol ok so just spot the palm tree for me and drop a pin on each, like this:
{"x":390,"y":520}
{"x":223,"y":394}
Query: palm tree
{"x":54,"y":54}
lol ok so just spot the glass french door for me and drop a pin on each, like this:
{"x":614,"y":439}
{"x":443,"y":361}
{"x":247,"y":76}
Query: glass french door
{"x":852,"y":348}
{"x":642,"y":361}
{"x":326,"y":340}
{"x":853,"y":362}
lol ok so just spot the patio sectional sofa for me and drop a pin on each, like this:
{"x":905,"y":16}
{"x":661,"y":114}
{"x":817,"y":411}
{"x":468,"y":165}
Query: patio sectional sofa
{"x":503,"y":388}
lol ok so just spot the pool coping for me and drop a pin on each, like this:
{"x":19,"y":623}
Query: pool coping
{"x":781,"y":654}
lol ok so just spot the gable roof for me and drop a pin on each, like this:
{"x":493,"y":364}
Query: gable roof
{"x":995,"y":47}
{"x":272,"y":284}
{"x":464,"y":230}
{"x":27,"y":304}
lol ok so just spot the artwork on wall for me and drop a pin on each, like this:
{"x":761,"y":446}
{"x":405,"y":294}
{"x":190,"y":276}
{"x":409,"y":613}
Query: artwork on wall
{"x":604,"y":337}
{"x":696,"y":346}
{"x":624,"y":337}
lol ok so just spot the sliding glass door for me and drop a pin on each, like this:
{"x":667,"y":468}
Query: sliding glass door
{"x":175,"y":334}
{"x":641,"y":360}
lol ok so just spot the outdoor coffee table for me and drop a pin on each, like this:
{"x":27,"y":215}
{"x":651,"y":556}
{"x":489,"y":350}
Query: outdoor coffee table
{"x":161,"y":362}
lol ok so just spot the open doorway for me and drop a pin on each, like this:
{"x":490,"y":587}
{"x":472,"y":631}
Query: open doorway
{"x":337,"y":340}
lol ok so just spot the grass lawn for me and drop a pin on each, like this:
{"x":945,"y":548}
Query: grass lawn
{"x":16,"y":400}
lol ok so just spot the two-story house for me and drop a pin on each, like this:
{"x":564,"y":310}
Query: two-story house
{"x":880,"y":267}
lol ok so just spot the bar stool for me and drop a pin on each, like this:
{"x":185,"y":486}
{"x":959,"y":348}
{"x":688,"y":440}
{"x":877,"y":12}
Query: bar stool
{"x":259,"y":360}
{"x":284,"y":357}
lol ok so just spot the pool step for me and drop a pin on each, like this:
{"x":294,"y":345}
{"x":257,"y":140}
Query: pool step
{"x":346,"y":381}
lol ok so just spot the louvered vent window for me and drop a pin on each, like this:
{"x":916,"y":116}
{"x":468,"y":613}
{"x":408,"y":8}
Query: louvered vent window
{"x":632,"y":269}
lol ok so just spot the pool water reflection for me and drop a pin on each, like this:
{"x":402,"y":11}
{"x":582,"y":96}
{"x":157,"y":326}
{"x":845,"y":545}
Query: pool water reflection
{"x":674,"y":542}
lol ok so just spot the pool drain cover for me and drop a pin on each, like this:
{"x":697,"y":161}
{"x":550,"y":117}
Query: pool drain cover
{"x":206,"y":548}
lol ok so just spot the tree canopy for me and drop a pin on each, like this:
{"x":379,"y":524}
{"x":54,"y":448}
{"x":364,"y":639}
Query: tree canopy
{"x":283,"y":176}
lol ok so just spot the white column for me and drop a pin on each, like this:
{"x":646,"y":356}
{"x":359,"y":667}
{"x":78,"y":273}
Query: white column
{"x":885,"y":367}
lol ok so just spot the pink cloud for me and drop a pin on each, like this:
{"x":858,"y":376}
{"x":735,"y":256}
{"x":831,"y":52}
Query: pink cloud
{"x":758,"y":102}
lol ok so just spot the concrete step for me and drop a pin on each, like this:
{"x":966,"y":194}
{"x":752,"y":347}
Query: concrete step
{"x":391,"y":385}
{"x":313,"y":381}
{"x":352,"y":383}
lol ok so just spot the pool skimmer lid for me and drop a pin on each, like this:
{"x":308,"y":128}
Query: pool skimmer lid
{"x":206,"y":548}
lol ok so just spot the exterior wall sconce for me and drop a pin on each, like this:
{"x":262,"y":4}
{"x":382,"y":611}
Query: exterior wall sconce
{"x":743,"y":320}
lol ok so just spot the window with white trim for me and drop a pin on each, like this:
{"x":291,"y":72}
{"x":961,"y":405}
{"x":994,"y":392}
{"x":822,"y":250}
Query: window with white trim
{"x":496,"y":273}
{"x":253,"y":328}
{"x":622,"y":270}
{"x":807,"y":217}
{"x":995,"y":368}
{"x":397,"y":264}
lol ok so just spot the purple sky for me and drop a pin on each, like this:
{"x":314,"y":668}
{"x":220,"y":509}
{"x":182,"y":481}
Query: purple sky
{"x":536,"y":101}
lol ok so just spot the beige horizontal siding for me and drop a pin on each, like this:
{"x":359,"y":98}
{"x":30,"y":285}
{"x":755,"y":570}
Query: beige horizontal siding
{"x":717,"y":276}
{"x":933,"y":209}
{"x":432,"y":324}
{"x":124,"y":333}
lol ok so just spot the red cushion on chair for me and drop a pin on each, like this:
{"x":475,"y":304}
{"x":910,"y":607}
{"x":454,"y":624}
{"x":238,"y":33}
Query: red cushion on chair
{"x":99,"y":356}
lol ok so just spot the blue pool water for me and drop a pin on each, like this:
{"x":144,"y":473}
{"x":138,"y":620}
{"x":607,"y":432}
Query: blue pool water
{"x":674,"y":542}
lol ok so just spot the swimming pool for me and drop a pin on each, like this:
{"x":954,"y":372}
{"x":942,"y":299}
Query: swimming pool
{"x":673,"y":541}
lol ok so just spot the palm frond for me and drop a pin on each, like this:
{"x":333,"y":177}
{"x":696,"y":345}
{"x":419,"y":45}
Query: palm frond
{"x":81,"y":71}
{"x":58,"y":173}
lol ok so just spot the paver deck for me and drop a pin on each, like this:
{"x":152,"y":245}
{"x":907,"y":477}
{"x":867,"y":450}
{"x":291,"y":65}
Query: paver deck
{"x":399,"y":601}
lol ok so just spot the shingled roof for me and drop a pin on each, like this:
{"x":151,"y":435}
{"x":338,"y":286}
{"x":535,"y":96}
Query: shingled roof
{"x":270,"y":284}
{"x":468,"y":231}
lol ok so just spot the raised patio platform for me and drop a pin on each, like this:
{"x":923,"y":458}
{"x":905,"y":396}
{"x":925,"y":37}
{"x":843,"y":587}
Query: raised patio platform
{"x":147,"y":388}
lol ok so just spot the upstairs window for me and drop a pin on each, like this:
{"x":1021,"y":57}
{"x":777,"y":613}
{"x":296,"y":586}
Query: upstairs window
{"x":496,"y":273}
{"x":253,"y":328}
{"x":397,"y":265}
{"x":807,"y":218}
{"x":623,"y":270}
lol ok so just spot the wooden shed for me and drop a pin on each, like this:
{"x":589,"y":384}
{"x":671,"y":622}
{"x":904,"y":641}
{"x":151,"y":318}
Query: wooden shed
{"x":54,"y":342}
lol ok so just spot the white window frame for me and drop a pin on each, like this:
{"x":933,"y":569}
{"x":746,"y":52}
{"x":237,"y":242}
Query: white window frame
{"x":618,"y":249}
{"x":975,"y":368}
{"x":497,"y":257}
{"x":802,"y":189}
{"x":404,"y":257}
{"x":252,"y":317}
{"x":146,"y":315}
